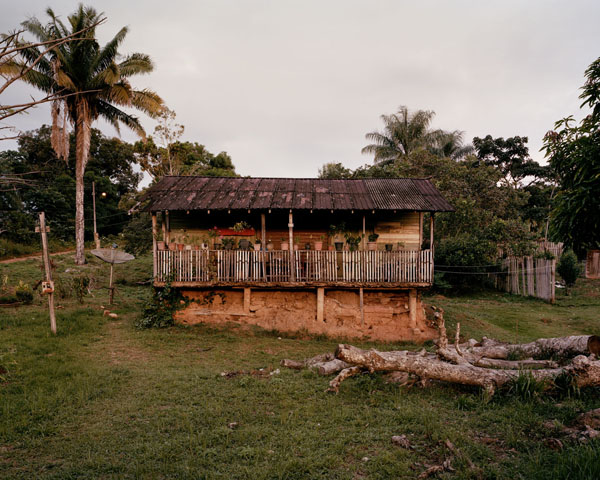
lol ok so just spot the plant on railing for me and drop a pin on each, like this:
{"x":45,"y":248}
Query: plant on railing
{"x":353,"y":241}
{"x":373,"y":237}
{"x":228,"y":243}
{"x":159,"y":312}
{"x":241,"y":226}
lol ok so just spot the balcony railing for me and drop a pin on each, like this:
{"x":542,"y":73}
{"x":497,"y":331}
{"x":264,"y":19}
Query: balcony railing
{"x":304,"y":266}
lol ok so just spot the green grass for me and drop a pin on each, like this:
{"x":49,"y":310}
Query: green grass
{"x":105,"y":400}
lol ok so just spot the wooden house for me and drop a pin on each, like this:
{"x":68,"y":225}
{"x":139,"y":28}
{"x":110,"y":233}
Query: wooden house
{"x":336,"y":257}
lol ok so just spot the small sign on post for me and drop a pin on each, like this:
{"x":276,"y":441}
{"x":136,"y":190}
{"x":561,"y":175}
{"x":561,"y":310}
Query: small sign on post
{"x":48,"y":285}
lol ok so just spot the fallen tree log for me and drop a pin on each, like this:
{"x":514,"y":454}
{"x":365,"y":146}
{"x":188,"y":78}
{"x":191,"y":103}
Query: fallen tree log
{"x":324,"y":364}
{"x":585,"y":372}
{"x":563,"y":347}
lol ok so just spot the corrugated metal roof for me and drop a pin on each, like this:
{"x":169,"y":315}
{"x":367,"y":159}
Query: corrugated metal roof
{"x":221,"y":193}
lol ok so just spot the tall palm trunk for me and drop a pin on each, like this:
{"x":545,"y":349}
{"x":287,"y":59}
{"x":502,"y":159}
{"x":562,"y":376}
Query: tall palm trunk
{"x":82,"y":151}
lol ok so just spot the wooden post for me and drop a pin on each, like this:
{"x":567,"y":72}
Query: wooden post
{"x":247,"y":293}
{"x":412,"y":306}
{"x":431,"y":224}
{"x":320,"y":304}
{"x":163,"y":226}
{"x":154,"y":251}
{"x":168,"y":228}
{"x":291,"y":250}
{"x":362,"y":306}
{"x":48,"y":269}
{"x":364,"y":232}
{"x":96,"y":236}
{"x":420,"y":229}
{"x":263,"y":231}
{"x":111,"y":289}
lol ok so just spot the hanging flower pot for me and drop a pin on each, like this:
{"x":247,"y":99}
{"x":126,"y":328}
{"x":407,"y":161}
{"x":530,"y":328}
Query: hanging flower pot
{"x":339,"y":246}
{"x":372,"y":246}
{"x":160,"y":245}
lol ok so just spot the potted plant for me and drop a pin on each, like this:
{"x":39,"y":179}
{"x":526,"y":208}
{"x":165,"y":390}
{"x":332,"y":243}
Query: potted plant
{"x":257,"y":244}
{"x":228,"y":243}
{"x":319,"y":243}
{"x":270,"y":245}
{"x":372,"y":243}
{"x":180,"y":246}
{"x":244,"y":244}
{"x":284,"y":244}
{"x":353,"y":241}
{"x":160,"y":245}
{"x":337,"y":233}
{"x":213,"y":233}
{"x":389,"y":247}
{"x":172,"y":246}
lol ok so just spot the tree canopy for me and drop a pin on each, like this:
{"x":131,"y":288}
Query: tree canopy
{"x":573,"y":151}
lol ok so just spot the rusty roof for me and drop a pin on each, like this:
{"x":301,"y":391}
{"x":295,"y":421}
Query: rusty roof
{"x":226,"y":193}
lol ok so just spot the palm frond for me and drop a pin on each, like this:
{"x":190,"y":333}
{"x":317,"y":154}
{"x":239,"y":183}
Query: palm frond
{"x":148,"y":102}
{"x":135,"y":64}
{"x":113,"y":114}
{"x":107,"y":55}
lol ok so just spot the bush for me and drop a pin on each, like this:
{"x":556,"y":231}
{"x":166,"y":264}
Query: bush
{"x":24,"y":293}
{"x":568,"y":268}
{"x":161,"y":308}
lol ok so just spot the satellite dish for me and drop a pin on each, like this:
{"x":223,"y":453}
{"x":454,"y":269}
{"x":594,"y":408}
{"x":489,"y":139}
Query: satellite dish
{"x":110,"y":255}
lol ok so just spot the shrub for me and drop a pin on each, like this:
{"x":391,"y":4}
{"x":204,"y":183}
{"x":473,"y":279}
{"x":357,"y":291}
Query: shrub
{"x":24,"y":293}
{"x":568,"y":268}
{"x":159,"y":312}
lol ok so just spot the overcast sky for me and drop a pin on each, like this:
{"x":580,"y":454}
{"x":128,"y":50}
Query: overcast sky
{"x":286,"y":86}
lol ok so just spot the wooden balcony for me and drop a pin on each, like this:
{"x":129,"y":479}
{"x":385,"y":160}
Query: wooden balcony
{"x":285,"y":269}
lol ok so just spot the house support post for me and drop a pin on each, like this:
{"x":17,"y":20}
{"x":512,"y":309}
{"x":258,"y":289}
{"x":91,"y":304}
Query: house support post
{"x":263,"y":236}
{"x":154,"y":253}
{"x":362,"y":306}
{"x":247,"y":294}
{"x":168,"y":225}
{"x":320,"y":305}
{"x":431,"y":224}
{"x":364,"y":233}
{"x":291,"y":250}
{"x":163,"y":226}
{"x":263,"y":231}
{"x":412,"y":307}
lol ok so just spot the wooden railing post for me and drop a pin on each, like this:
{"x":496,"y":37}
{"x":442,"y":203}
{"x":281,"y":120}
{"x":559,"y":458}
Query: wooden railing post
{"x":291,"y":250}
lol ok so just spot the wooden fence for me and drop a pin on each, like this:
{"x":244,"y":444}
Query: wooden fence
{"x":592,"y":264}
{"x":555,"y":249}
{"x":528,"y":276}
{"x":307,"y":266}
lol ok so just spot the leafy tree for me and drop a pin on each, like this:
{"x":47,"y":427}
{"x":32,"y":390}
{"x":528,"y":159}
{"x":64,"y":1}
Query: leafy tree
{"x":53,"y":187}
{"x":510,"y":156}
{"x":95,"y":80}
{"x":573,"y":151}
{"x":334,"y":171}
{"x":182,"y":158}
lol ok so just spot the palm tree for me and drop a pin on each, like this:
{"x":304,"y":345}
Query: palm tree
{"x":404,"y":132}
{"x":93,"y":83}
{"x":450,"y":144}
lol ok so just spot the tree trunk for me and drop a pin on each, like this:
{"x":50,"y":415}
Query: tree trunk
{"x":82,"y":151}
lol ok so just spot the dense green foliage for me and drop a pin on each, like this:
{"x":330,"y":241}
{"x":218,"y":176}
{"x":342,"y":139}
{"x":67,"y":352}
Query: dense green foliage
{"x":159,"y":311}
{"x":52,"y":187}
{"x":573,"y":151}
{"x":568,"y":268}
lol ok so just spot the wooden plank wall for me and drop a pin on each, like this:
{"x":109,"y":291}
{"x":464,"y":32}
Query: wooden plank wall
{"x":592,"y":264}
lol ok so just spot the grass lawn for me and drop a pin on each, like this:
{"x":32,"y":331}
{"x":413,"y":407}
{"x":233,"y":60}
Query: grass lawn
{"x":105,"y":400}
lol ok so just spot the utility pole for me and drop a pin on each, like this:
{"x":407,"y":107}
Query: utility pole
{"x":96,"y":237}
{"x":48,"y":285}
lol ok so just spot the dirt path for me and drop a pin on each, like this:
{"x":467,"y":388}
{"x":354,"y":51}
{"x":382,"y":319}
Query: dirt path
{"x":36,"y":255}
